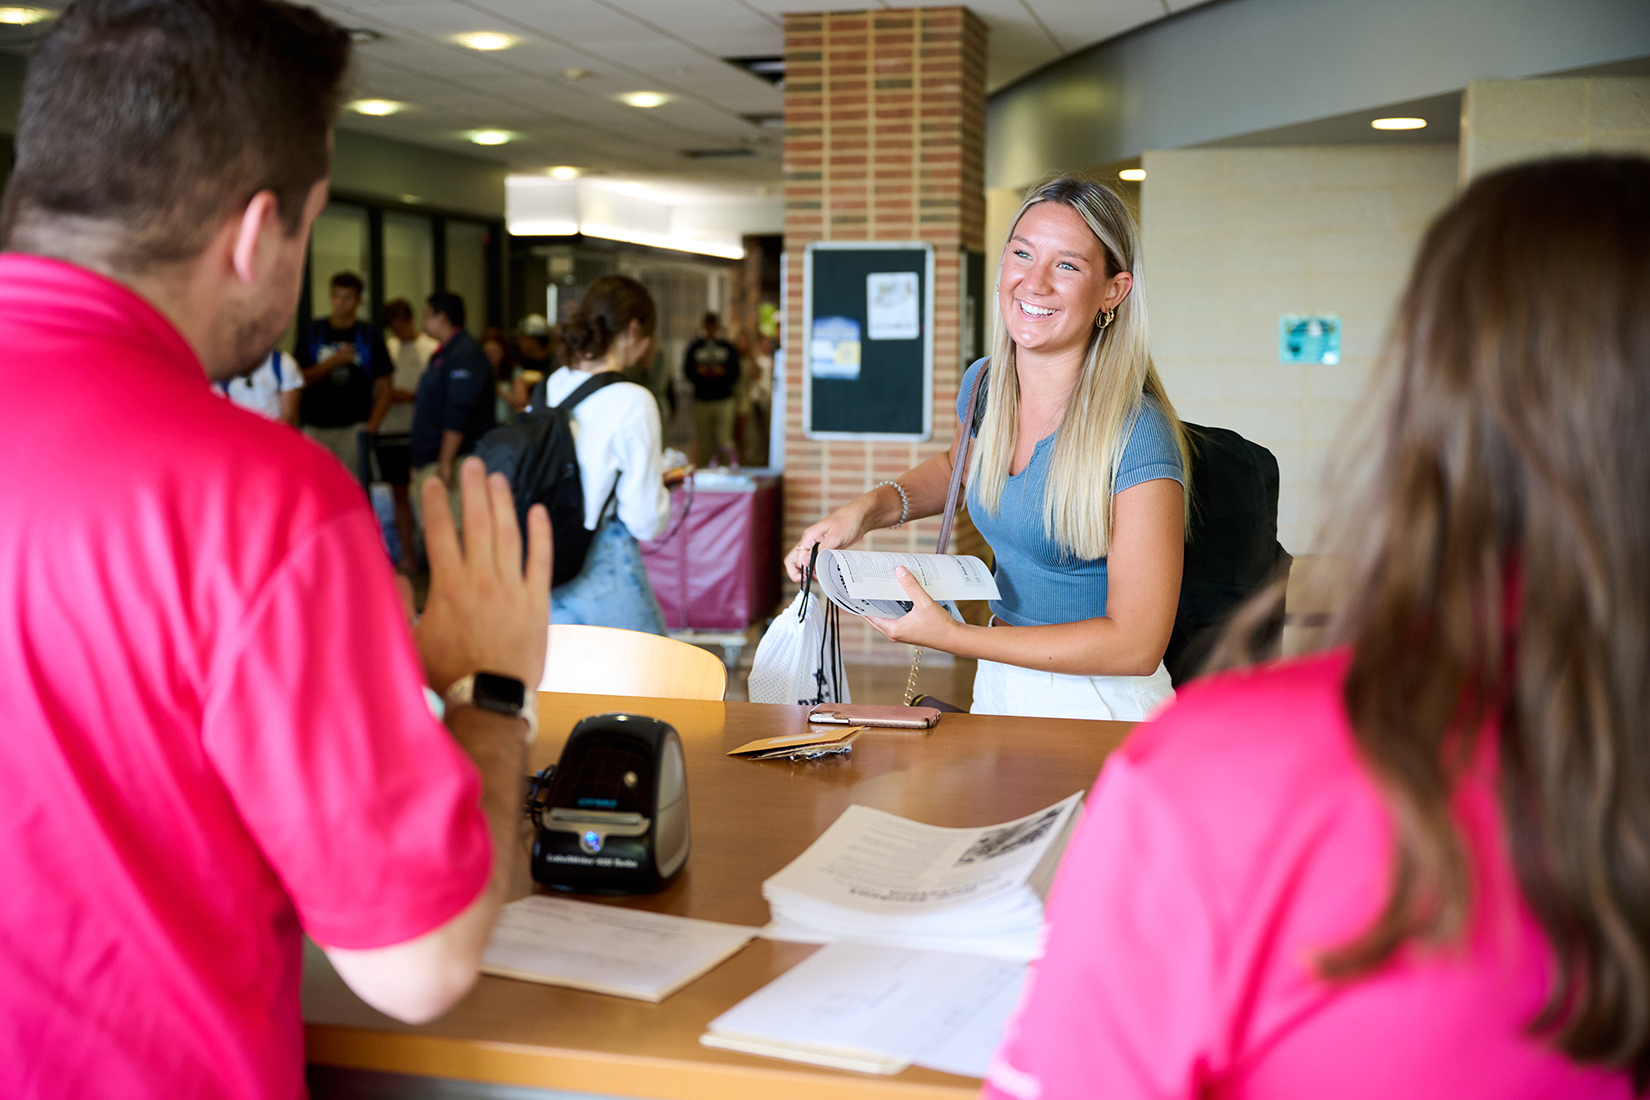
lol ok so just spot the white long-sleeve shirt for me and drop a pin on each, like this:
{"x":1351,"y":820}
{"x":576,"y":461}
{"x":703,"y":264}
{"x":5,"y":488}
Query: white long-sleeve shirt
{"x":617,"y":436}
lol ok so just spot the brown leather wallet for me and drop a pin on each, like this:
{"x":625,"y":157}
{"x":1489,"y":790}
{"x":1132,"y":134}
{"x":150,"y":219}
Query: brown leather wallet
{"x":851,"y":714}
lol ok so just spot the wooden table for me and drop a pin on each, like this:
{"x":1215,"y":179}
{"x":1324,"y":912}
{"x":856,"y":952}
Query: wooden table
{"x":749,"y":819}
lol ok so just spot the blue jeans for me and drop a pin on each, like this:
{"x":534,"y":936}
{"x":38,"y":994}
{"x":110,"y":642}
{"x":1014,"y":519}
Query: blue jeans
{"x":612,"y":589}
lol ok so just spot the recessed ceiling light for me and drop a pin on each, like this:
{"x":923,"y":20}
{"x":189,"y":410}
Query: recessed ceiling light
{"x":1133,"y":175}
{"x":490,"y":137}
{"x":365,"y":36}
{"x":1399,"y":123}
{"x":574,"y":75}
{"x":486,"y":40}
{"x":378,"y":108}
{"x":23,"y":17}
{"x":566,"y":172}
{"x":644,"y":99}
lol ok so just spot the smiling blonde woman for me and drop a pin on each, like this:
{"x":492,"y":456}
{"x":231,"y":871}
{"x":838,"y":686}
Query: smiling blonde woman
{"x":1076,"y":478}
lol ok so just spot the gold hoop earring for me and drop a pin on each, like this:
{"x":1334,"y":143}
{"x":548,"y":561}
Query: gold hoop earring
{"x":1105,"y":318}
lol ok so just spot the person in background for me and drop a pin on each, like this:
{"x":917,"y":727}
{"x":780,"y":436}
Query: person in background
{"x":620,"y":445}
{"x":759,"y":380}
{"x":270,"y":389}
{"x":711,"y":365}
{"x":1075,"y":478}
{"x":454,"y":408}
{"x":1412,"y":865}
{"x":507,"y":381}
{"x":410,"y":351}
{"x":347,"y":374}
{"x":218,"y":734}
{"x":535,"y":356}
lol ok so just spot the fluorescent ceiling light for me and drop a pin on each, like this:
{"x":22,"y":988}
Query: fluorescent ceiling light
{"x":1133,"y":175}
{"x":644,"y":99}
{"x":659,"y":240}
{"x":22,"y":17}
{"x":486,"y":40}
{"x":378,"y":108}
{"x":543,"y":228}
{"x":1399,"y":123}
{"x":491,"y":137}
{"x":566,"y":172}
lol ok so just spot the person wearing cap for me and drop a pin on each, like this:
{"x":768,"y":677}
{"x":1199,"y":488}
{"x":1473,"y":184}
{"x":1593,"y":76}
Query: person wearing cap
{"x":534,"y":353}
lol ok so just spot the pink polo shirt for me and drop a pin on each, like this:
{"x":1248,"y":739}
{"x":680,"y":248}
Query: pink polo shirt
{"x":212,"y":724}
{"x":1227,"y":845}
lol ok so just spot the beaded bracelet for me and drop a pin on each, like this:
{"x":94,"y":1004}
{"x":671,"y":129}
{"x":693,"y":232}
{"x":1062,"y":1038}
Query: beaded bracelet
{"x":904,"y":501}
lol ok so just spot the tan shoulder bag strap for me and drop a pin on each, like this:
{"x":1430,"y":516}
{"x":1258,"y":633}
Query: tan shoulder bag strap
{"x":959,"y":464}
{"x":943,"y":546}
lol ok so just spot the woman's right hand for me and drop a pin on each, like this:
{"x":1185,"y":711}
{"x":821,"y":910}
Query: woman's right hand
{"x":837,"y":531}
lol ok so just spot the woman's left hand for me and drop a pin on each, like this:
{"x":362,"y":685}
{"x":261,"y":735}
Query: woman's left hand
{"x":927,"y":623}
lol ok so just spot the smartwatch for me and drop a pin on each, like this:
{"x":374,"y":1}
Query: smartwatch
{"x":499,"y":694}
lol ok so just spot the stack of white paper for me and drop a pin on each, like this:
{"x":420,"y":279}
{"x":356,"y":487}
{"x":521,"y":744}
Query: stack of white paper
{"x":605,"y":948}
{"x":880,"y":879}
{"x":879,"y":1010}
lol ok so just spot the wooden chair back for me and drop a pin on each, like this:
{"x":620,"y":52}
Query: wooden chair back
{"x":602,"y":660}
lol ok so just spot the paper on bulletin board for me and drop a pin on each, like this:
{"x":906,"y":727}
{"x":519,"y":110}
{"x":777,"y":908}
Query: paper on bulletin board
{"x":833,"y":348}
{"x":891,"y":308}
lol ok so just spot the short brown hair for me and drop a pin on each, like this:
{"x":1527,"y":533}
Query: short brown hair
{"x":395,"y":311}
{"x":157,"y":117}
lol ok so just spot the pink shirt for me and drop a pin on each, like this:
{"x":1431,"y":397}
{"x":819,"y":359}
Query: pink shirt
{"x":212,"y":724}
{"x":1226,"y":845}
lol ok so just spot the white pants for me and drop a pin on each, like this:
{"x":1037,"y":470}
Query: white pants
{"x":1009,"y":689}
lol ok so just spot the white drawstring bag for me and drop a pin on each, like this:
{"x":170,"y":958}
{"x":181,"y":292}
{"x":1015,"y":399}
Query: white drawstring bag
{"x":799,"y":660}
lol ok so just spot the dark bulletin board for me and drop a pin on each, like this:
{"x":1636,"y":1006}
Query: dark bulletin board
{"x":889,"y":396}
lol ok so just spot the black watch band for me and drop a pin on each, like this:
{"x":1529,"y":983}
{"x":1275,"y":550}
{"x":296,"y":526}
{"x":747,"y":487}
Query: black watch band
{"x":498,"y":693}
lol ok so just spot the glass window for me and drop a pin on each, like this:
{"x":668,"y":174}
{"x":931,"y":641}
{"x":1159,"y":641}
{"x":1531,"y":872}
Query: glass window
{"x":409,"y":260}
{"x":339,"y":242}
{"x":467,"y":270}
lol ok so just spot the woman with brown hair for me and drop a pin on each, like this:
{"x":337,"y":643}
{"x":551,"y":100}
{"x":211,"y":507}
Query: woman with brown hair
{"x":620,"y":446}
{"x":1416,"y":865}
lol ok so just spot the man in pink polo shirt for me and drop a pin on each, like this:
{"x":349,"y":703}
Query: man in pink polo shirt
{"x":214,"y":723}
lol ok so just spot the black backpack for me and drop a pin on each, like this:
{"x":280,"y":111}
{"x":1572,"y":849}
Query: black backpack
{"x":1233,"y":549}
{"x":535,"y":452}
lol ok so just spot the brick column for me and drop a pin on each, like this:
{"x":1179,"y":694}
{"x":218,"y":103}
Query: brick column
{"x":884,"y":141}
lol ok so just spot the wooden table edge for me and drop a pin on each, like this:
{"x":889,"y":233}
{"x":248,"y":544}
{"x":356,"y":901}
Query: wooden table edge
{"x":603,"y":1073}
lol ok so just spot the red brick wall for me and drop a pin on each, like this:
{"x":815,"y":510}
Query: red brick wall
{"x":884,"y":141}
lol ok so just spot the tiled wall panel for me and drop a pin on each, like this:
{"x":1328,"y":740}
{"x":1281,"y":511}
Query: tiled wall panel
{"x":1234,"y":238}
{"x":1505,"y":121}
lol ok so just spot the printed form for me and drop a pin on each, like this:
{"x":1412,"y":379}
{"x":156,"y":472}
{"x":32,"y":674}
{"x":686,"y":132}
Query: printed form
{"x":606,"y":948}
{"x":878,"y":1010}
{"x":875,"y":877}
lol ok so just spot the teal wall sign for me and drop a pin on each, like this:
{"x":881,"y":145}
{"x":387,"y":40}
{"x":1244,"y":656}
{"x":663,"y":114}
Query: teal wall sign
{"x":1303,"y":339}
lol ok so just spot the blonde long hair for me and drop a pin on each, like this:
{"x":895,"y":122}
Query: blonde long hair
{"x":1117,"y":372}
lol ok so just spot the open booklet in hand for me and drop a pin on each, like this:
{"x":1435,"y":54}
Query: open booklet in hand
{"x":877,"y":878}
{"x":863,"y":581}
